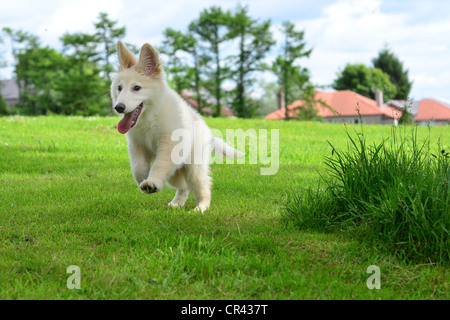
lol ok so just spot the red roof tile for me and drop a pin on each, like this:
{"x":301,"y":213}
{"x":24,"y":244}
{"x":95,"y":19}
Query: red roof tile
{"x":430,"y":109}
{"x":226,"y":112}
{"x":344,"y":103}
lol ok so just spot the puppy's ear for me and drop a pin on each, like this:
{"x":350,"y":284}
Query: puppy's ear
{"x":149,"y":63}
{"x":126,"y":58}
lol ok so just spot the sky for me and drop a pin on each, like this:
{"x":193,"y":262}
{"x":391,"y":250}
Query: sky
{"x":338,"y":31}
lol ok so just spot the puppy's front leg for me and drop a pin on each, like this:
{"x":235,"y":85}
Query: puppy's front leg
{"x":140,"y":162}
{"x":163,"y":168}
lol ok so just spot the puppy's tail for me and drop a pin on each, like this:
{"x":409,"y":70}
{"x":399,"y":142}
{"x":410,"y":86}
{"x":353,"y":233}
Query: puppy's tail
{"x":224,"y":149}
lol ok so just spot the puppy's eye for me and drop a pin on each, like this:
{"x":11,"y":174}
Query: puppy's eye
{"x":136,"y":88}
{"x":119,"y":88}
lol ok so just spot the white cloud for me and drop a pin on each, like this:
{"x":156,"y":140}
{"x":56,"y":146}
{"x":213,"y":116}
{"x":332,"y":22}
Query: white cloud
{"x":351,"y":31}
{"x":75,"y":16}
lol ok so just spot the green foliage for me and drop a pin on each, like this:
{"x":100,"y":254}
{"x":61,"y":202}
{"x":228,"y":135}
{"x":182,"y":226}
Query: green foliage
{"x":83,"y":92}
{"x":255,"y":40}
{"x":3,"y":106}
{"x":75,"y":81}
{"x":406,"y":117}
{"x":211,"y":29}
{"x":54,"y":83}
{"x":180,"y":74}
{"x":391,"y":65}
{"x":38,"y":70}
{"x":308,"y":110}
{"x":81,"y":88}
{"x":205,"y":68}
{"x":2,"y":58}
{"x":21,"y":40}
{"x":290,"y":75}
{"x":361,"y":79}
{"x":267,"y":102}
{"x":107,"y":35}
{"x":394,"y":194}
{"x":25,"y":49}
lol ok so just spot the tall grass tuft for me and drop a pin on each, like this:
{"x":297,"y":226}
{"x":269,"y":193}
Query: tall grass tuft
{"x":395,"y":194}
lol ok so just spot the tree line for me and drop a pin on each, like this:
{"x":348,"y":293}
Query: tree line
{"x":72,"y":81}
{"x":218,"y":47}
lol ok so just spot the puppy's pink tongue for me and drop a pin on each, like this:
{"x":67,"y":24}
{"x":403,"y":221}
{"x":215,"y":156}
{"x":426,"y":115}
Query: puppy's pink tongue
{"x":125,"y":124}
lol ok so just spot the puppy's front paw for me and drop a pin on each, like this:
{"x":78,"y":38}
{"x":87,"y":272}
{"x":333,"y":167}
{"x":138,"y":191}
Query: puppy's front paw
{"x":201,"y":208}
{"x":150,"y":187}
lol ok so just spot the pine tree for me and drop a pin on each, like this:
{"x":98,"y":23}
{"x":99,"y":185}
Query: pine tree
{"x":290,"y":75}
{"x":391,"y":65}
{"x":211,"y":28}
{"x":107,"y":35}
{"x":3,"y":106}
{"x":82,"y":89}
{"x":38,"y":70}
{"x":20,"y":42}
{"x":255,"y":40}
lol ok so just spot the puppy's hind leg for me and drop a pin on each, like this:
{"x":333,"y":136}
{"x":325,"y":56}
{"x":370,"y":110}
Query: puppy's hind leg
{"x":178,"y":181}
{"x":200,"y":182}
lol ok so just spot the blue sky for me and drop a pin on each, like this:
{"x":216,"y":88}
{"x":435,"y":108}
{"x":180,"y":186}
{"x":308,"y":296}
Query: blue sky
{"x":339,"y":31}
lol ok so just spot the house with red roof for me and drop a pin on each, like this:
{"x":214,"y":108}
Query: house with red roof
{"x":345,"y":106}
{"x":207,"y":111}
{"x":350,"y":107}
{"x":424,"y":112}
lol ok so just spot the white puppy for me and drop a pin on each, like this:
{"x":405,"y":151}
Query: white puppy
{"x":152,"y":113}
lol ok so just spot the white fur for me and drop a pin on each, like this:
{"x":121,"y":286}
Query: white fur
{"x":149,"y":141}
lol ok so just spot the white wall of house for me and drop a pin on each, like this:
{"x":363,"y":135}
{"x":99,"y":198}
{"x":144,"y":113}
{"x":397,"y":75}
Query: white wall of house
{"x":433,"y":123}
{"x":376,"y":119}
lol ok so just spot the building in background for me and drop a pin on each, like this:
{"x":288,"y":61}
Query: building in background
{"x":424,"y":112}
{"x":350,"y":107}
{"x":345,"y":106}
{"x":10,"y":92}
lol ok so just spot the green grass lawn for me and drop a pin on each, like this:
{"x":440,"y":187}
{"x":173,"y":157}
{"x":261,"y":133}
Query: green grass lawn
{"x":67,"y":197}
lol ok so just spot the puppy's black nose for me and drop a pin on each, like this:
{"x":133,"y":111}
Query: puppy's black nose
{"x":120,"y":107}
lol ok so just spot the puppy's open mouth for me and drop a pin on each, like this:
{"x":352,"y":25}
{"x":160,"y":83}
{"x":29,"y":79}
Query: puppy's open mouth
{"x":129,"y":120}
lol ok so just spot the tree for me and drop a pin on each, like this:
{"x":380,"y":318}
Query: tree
{"x":255,"y":40}
{"x":267,"y":99}
{"x":406,"y":117}
{"x":21,"y":41}
{"x":391,"y":65}
{"x":308,"y":110}
{"x":179,"y":72}
{"x":2,"y":59}
{"x":290,"y":75}
{"x":37,"y":70}
{"x":3,"y":106}
{"x":183,"y":75}
{"x":108,"y":35}
{"x":211,"y":28}
{"x":81,"y":48}
{"x":82,"y":89}
{"x":361,"y":79}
